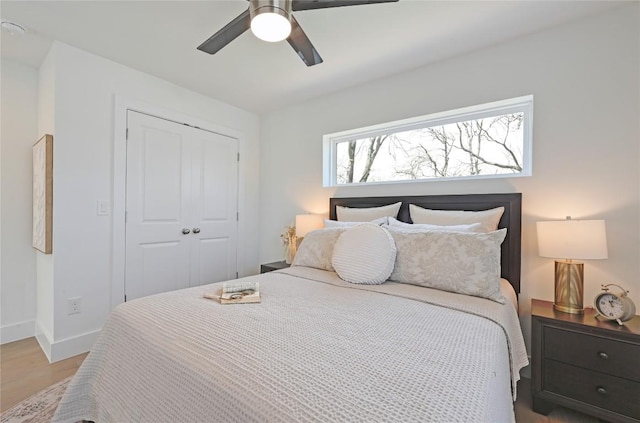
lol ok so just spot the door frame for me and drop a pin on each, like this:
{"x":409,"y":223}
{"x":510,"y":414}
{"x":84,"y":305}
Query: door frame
{"x":122,"y":105}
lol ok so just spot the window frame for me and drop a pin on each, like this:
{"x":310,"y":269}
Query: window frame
{"x":523,"y":104}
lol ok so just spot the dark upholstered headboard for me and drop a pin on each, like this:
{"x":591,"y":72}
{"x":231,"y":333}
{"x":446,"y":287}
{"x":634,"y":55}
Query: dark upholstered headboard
{"x":511,"y":219}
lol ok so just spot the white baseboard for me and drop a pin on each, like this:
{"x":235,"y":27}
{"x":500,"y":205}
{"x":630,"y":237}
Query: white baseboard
{"x":65,"y":348}
{"x":17,"y":331}
{"x":45,"y":344}
{"x":69,"y":347}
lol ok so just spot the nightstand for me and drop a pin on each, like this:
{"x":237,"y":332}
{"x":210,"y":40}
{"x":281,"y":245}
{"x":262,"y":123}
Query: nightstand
{"x":583,"y":363}
{"x":276,"y":265}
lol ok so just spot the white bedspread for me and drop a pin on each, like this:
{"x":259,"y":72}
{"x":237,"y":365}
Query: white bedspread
{"x":315,"y":349}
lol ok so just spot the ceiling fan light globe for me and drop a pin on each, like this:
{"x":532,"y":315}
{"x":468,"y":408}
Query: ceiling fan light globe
{"x":270,"y":26}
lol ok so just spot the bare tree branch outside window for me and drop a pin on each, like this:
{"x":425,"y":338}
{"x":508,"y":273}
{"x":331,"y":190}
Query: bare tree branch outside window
{"x":487,"y":146}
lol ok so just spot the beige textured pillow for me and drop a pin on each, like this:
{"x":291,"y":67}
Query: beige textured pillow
{"x":316,"y":249}
{"x":466,"y":263}
{"x":364,"y":254}
{"x":489,"y":219}
{"x":367,"y":214}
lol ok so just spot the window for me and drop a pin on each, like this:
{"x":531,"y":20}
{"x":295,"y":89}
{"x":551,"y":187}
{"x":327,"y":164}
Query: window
{"x":489,"y":140}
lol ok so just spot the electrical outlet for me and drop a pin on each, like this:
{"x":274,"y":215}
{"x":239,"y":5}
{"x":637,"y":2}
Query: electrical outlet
{"x":73,"y":305}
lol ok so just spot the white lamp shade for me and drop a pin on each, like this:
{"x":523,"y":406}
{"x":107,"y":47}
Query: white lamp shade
{"x":270,"y":26}
{"x":306,"y":223}
{"x":572,"y":239}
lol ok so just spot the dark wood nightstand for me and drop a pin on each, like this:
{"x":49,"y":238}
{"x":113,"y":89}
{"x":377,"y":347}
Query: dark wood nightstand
{"x":583,"y":363}
{"x":276,"y":265}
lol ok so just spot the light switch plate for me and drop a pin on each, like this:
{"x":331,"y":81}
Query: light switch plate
{"x":103,"y":208}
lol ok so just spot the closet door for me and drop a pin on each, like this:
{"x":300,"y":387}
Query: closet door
{"x":181,"y":206}
{"x":214,"y":187}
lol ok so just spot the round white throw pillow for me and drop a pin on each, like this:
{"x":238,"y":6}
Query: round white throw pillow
{"x":364,"y":254}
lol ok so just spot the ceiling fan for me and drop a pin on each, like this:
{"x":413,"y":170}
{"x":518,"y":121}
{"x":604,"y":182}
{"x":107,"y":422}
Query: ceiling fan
{"x":272,"y":20}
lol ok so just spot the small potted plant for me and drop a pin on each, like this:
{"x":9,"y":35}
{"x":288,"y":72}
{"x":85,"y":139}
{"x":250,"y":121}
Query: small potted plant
{"x":288,"y":237}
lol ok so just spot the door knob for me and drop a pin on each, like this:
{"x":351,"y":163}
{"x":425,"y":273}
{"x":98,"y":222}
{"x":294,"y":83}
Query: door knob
{"x":185,"y":231}
{"x":196,"y":230}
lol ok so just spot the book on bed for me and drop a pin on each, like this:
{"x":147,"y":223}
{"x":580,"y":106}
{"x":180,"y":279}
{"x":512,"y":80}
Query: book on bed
{"x":236,"y":293}
{"x":240,"y":293}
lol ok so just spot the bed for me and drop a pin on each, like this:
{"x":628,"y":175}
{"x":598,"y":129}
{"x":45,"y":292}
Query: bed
{"x":317,"y":348}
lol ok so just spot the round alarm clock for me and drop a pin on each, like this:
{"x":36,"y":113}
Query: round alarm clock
{"x":618,"y":307}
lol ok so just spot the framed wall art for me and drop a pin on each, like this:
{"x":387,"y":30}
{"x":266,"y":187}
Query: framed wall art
{"x":43,"y":194}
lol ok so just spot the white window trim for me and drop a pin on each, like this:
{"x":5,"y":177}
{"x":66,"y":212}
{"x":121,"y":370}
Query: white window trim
{"x":522,"y":104}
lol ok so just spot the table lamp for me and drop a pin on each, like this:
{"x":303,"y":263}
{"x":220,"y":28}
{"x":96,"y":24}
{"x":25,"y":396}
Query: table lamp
{"x":567,"y":240}
{"x":306,"y":223}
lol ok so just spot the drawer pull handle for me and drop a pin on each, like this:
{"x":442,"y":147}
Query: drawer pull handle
{"x":601,"y":390}
{"x":603,"y":355}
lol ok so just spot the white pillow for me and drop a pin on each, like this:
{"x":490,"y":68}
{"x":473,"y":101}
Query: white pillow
{"x":466,"y":263}
{"x":336,"y":224}
{"x":488,"y":218}
{"x":396,"y":224}
{"x":316,"y":249}
{"x":355,"y":214}
{"x":364,"y":254}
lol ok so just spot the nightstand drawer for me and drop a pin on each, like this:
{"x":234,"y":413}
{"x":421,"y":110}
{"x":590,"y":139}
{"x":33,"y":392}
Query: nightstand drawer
{"x":604,"y":391}
{"x":617,"y":358}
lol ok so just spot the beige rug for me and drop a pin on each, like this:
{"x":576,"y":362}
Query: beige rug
{"x":38,"y":408}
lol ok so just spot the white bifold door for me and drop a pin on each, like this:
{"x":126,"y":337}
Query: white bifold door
{"x":181,"y":206}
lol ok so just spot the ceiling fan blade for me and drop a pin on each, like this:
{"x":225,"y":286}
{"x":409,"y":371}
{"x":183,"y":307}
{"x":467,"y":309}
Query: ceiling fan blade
{"x":323,"y":4}
{"x":230,"y":32}
{"x":302,"y":45}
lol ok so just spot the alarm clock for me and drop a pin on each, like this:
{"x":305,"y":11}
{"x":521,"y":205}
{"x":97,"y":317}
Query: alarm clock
{"x":618,"y":307}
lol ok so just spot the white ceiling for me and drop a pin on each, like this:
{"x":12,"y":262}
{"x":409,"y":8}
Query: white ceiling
{"x":358,"y":43}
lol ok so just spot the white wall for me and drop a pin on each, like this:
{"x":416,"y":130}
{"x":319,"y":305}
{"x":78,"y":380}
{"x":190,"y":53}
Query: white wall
{"x":85,"y":88}
{"x":585,"y":81}
{"x":18,"y":108}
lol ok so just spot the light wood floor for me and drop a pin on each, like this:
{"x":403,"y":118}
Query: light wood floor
{"x":25,"y":370}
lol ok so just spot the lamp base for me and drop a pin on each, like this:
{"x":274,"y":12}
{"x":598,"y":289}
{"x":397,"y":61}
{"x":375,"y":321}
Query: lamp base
{"x":569,"y":287}
{"x":570,"y":310}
